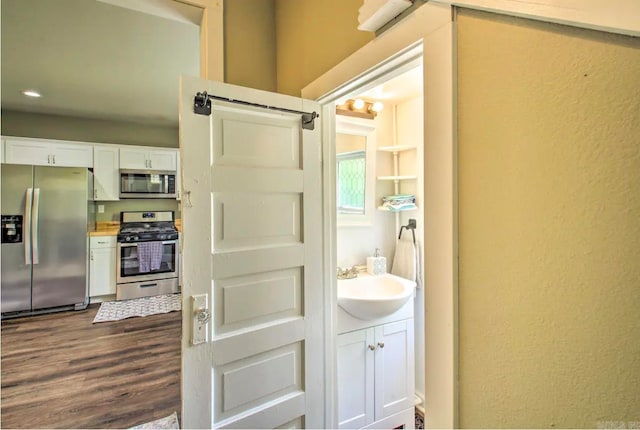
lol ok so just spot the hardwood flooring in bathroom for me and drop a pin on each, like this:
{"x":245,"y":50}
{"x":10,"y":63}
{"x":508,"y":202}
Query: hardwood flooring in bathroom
{"x":62,"y":371}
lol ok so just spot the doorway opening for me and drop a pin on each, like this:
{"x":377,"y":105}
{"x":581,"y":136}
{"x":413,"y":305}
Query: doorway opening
{"x":391,"y":195}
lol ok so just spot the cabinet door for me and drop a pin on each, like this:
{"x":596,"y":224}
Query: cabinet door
{"x":178,"y":177}
{"x":355,"y":379}
{"x":394,"y":370}
{"x":102,"y":271}
{"x":162,"y":160}
{"x":131,"y":158}
{"x":21,"y":151}
{"x":71,"y":155}
{"x":106,"y":173}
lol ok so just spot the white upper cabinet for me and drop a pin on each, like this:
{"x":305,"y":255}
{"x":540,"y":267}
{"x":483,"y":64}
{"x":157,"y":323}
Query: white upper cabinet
{"x":106,"y":173}
{"x":163,"y":160}
{"x":43,"y":152}
{"x":148,"y":159}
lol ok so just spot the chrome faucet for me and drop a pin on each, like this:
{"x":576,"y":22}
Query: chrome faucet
{"x":348,"y":273}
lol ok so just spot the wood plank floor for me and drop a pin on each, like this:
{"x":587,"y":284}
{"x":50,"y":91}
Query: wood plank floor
{"x":62,"y":371}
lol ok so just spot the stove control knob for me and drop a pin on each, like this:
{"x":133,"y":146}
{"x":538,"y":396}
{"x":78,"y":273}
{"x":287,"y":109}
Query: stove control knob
{"x":163,"y":237}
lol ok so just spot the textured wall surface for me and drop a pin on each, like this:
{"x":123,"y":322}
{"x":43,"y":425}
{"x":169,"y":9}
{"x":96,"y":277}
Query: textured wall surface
{"x":250,"y":43}
{"x":549,"y":183}
{"x":43,"y":126}
{"x":313,"y":36}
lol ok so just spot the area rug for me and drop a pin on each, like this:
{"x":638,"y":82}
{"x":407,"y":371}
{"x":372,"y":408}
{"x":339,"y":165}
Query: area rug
{"x":142,"y":307}
{"x":170,"y":422}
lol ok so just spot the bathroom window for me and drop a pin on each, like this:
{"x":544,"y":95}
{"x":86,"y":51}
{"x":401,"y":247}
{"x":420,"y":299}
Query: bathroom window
{"x":351,"y":171}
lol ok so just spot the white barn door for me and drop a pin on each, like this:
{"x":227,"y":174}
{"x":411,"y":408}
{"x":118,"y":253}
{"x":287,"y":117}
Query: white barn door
{"x":252,"y":242}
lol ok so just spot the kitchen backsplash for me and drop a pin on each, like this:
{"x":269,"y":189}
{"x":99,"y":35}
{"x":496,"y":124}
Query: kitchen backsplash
{"x":112,"y":209}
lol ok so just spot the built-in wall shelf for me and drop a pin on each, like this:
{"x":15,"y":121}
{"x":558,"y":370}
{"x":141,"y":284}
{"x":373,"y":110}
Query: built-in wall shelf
{"x":386,"y":209}
{"x":397,"y":178}
{"x":396,"y":148}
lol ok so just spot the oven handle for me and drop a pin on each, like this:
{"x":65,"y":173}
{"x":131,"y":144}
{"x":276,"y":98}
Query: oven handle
{"x":130,"y":244}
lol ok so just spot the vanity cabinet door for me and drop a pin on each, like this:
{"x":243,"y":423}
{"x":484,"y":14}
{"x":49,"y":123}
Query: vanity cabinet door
{"x":394,"y":368}
{"x":355,"y":379}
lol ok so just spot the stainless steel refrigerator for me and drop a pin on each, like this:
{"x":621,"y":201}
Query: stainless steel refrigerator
{"x":45,"y":212}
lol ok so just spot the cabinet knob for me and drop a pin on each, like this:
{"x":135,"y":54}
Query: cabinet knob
{"x":372,"y":347}
{"x":381,"y":344}
{"x":91,"y":253}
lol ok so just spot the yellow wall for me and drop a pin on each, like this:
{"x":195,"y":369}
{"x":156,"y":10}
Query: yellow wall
{"x":250,"y":43}
{"x":313,"y":36}
{"x":549,"y":207}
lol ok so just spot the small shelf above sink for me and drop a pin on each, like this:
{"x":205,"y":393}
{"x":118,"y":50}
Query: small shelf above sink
{"x":371,"y":297}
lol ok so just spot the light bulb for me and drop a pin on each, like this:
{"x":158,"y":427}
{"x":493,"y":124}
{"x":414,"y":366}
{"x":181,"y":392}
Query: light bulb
{"x":358,"y":104}
{"x":377,"y":107}
{"x":31,"y":93}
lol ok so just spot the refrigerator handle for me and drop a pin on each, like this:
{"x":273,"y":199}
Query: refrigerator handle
{"x":27,"y":226}
{"x":36,"y":216}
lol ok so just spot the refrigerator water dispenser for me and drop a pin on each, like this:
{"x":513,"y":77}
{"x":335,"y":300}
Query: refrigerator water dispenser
{"x":11,"y":226}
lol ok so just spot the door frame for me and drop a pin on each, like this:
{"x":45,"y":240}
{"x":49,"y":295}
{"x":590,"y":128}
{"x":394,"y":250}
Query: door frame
{"x":211,"y":38}
{"x":429,"y":30}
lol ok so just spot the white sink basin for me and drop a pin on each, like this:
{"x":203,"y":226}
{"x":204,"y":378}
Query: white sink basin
{"x":369,"y":297}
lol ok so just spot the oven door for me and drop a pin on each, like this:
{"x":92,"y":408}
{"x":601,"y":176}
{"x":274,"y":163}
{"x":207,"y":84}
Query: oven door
{"x":130,"y":268}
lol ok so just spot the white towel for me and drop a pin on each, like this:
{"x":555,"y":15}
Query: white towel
{"x":405,"y":261}
{"x":149,"y":256}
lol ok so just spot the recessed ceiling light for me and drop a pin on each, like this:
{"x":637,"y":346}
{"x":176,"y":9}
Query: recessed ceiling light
{"x":31,"y":93}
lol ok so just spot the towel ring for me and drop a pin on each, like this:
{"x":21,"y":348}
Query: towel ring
{"x":411,"y":226}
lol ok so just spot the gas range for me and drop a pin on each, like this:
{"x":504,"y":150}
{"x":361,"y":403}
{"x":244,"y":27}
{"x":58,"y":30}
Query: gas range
{"x":148,"y":255}
{"x":147,"y":226}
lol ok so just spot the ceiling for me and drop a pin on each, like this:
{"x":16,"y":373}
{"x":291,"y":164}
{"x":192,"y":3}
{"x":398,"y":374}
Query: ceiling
{"x":396,"y":90}
{"x":97,"y":59}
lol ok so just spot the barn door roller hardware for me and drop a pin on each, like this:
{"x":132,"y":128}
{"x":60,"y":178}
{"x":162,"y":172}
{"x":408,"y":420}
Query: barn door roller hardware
{"x":202,"y":106}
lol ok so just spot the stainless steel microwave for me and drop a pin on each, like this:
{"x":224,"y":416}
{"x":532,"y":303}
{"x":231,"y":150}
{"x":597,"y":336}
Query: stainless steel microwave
{"x":147,"y":184}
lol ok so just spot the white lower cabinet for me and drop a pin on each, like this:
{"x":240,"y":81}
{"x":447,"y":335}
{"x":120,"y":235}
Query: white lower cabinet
{"x":376,"y":376}
{"x":102,"y":266}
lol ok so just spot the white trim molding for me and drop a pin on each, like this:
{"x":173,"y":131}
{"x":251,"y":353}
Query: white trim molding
{"x":613,"y":16}
{"x":427,"y":33}
{"x":373,"y":14}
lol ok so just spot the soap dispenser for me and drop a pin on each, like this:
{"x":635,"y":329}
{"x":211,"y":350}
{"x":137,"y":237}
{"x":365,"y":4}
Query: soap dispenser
{"x":376,"y":265}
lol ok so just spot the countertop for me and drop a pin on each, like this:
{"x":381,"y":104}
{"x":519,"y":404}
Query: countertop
{"x":111,"y":228}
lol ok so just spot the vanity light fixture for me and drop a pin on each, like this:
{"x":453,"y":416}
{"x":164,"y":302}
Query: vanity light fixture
{"x":31,"y":93}
{"x":376,"y":107}
{"x":359,"y":108}
{"x":358,"y":104}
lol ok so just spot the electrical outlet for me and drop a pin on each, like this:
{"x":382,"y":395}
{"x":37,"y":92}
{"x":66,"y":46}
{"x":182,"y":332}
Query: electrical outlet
{"x":100,"y":209}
